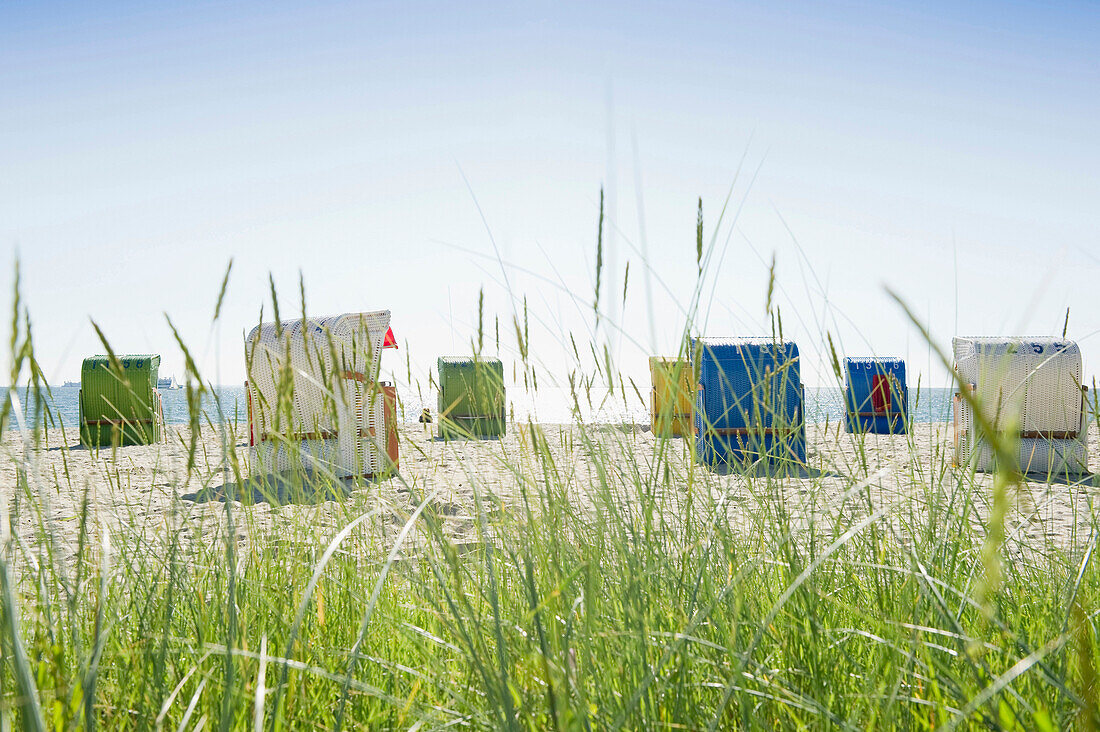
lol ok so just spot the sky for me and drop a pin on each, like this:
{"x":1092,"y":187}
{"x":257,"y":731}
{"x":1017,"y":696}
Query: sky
{"x":409,"y":156}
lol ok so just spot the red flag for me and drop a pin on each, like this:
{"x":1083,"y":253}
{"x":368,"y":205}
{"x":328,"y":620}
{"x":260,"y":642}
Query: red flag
{"x":389,"y":341}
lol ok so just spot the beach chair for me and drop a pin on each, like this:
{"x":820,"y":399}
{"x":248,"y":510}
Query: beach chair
{"x":672,"y":397}
{"x":471,"y":397}
{"x":749,"y":403}
{"x":315,"y":401}
{"x":876,"y":396}
{"x":1029,"y":389}
{"x":118,"y":401}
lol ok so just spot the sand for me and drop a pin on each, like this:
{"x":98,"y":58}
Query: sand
{"x":147,"y":492}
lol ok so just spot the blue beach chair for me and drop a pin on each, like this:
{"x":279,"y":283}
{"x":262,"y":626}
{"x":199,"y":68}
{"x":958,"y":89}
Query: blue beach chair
{"x":876,"y":396}
{"x":750,"y":402}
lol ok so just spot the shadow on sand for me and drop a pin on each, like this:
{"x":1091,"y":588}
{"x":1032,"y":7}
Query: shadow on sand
{"x":278,"y":489}
{"x":1089,"y":480}
{"x":763,"y":470}
{"x":70,"y":448}
{"x":469,"y":438}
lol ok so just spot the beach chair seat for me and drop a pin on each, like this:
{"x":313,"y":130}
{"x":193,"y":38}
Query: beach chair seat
{"x":876,"y":396}
{"x":672,"y":396}
{"x":315,"y":401}
{"x":749,"y":403}
{"x":471,"y":397}
{"x":118,"y":401}
{"x":1029,"y":389}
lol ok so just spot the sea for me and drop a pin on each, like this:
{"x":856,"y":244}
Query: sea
{"x":548,"y":405}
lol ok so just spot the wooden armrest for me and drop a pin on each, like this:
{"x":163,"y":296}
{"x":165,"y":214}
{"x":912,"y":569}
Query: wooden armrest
{"x":1048,"y":435}
{"x":749,"y":430}
{"x":321,"y":435}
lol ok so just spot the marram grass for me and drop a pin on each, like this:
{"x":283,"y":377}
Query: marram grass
{"x":654,"y":603}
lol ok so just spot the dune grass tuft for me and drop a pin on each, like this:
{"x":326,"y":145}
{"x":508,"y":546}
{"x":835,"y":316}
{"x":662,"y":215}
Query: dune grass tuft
{"x":635,"y":593}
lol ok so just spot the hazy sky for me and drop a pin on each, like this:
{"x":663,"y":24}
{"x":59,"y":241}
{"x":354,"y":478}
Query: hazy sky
{"x":949,"y":152}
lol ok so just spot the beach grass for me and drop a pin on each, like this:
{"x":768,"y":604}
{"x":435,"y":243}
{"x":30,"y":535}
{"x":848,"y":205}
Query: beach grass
{"x":632,"y":594}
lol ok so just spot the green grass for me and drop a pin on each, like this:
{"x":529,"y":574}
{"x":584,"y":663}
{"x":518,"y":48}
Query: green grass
{"x":656,"y":604}
{"x":655,"y":612}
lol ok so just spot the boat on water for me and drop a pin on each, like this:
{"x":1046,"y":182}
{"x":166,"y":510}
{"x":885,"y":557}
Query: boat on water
{"x":72,"y":383}
{"x":168,"y":382}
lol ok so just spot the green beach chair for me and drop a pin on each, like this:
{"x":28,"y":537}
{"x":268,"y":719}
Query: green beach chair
{"x":119,"y":404}
{"x":471,"y":397}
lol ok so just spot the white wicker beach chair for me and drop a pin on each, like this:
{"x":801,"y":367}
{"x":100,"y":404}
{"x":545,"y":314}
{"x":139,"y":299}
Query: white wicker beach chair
{"x":315,"y":399}
{"x":1027,"y":386}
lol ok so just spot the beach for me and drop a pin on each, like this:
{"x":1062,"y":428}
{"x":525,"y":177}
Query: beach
{"x":147,"y":493}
